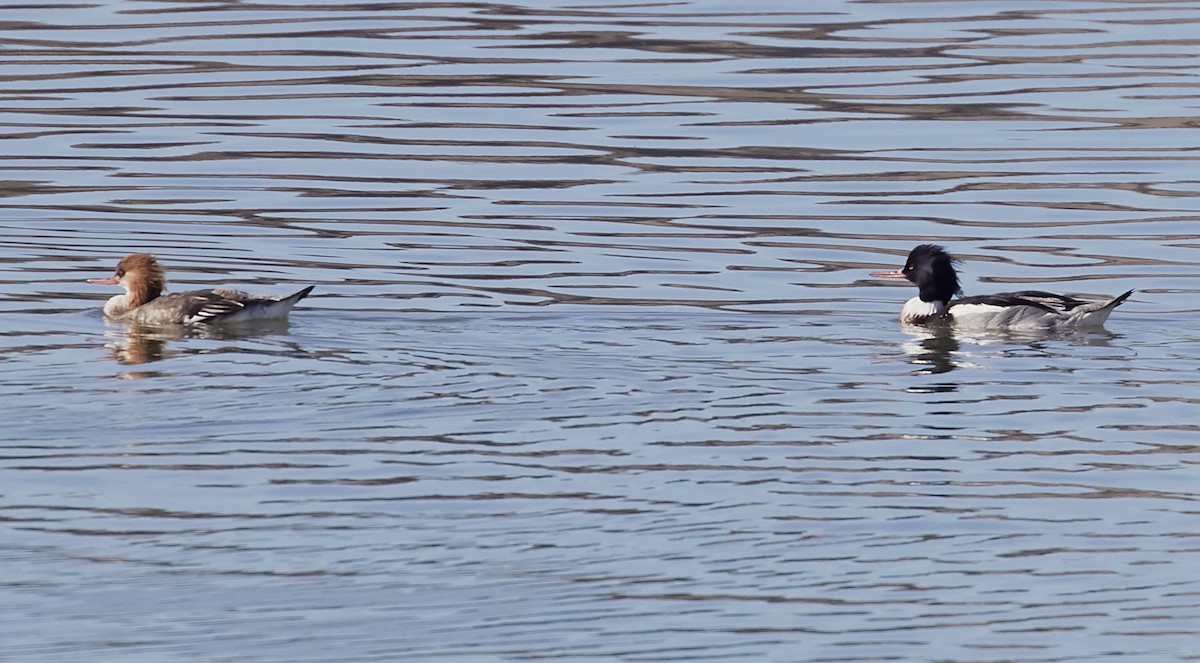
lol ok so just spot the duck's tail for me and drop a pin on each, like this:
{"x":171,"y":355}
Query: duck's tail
{"x":291,"y":300}
{"x":1095,"y":314}
{"x":280,"y":308}
{"x":241,"y":306}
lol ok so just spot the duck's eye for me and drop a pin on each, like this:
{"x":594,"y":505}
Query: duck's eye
{"x":120,"y":273}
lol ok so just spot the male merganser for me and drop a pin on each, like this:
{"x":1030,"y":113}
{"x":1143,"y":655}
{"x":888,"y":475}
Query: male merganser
{"x":144,"y":302}
{"x":931,"y":269}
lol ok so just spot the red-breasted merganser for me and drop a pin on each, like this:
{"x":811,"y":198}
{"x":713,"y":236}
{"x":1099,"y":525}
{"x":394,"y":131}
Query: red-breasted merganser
{"x":931,"y":269}
{"x":144,"y":302}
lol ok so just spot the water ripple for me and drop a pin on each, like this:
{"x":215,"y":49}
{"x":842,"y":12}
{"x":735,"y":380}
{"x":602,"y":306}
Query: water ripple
{"x":594,"y":368}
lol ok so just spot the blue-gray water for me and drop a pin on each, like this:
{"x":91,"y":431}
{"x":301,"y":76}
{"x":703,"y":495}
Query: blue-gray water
{"x":594,"y":369}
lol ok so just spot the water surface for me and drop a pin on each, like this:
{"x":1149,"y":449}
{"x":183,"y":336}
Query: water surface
{"x":594,"y":369}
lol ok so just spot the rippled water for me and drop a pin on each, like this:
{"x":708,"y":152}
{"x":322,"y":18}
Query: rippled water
{"x":594,"y":370}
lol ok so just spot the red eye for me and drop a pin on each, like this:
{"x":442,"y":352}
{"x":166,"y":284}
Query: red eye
{"x":120,"y":273}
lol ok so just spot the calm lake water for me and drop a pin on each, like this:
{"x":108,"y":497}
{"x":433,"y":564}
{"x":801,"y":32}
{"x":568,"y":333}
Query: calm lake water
{"x":594,"y":369}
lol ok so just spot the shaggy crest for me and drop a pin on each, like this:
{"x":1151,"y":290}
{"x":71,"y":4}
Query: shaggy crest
{"x":931,"y":268}
{"x":142,"y":276}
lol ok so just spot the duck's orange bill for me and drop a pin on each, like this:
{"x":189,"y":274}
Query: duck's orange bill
{"x":108,"y":281}
{"x":897,"y":274}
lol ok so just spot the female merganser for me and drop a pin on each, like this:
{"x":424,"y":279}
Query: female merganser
{"x":144,"y":302}
{"x":931,"y":269}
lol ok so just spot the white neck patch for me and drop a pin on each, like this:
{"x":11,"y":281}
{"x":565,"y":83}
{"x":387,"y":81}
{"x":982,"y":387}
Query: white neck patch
{"x":917,"y":311}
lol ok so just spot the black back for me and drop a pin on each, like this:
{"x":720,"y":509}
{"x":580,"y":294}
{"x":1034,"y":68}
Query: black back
{"x":1045,"y":301}
{"x":1006,"y":300}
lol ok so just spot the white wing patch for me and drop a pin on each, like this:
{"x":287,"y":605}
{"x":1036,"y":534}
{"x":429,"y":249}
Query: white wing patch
{"x":992,"y":316}
{"x":214,"y":309}
{"x":961,"y":311}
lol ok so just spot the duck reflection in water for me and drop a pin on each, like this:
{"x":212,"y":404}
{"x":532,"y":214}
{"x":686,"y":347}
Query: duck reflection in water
{"x":942,"y":348}
{"x":932,"y":349}
{"x":137,"y":343}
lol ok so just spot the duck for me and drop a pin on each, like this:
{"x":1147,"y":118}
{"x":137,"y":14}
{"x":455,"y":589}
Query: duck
{"x":939,"y":299}
{"x":144,"y":302}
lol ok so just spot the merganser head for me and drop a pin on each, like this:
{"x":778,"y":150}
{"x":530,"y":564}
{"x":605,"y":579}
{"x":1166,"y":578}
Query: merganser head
{"x":141,"y":277}
{"x":931,"y":269}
